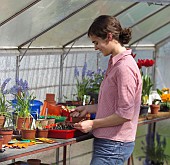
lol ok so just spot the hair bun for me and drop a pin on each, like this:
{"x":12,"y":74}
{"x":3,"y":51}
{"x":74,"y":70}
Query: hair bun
{"x":125,"y":35}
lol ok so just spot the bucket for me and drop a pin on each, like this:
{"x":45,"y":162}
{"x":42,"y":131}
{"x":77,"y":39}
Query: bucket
{"x":35,"y":107}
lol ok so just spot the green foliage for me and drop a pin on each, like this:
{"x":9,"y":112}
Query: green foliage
{"x":88,"y":81}
{"x":154,"y":150}
{"x":156,"y":101}
{"x":165,"y":104}
{"x":94,"y":82}
{"x":22,"y":105}
{"x":22,"y":100}
{"x":4,"y":106}
{"x":82,"y":88}
{"x":146,"y":88}
{"x":159,"y":92}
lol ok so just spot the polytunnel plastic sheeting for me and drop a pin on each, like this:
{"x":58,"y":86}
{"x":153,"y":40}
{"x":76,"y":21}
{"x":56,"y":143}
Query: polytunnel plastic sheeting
{"x":11,"y":7}
{"x":130,"y":17}
{"x":137,"y":13}
{"x":69,"y":20}
{"x":36,"y":19}
{"x":158,"y":36}
{"x":149,"y":25}
{"x":79,"y":23}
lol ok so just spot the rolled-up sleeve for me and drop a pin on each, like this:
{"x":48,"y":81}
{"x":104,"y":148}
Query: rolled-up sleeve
{"x":126,"y":83}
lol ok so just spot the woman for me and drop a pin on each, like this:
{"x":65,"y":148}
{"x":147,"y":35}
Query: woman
{"x":117,"y":112}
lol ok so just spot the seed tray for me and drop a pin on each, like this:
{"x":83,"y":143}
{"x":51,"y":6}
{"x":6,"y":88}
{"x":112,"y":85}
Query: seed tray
{"x":64,"y":134}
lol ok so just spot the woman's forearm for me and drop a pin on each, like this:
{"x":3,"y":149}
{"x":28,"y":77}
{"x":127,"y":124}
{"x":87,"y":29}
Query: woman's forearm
{"x":109,"y":121}
{"x":91,"y":108}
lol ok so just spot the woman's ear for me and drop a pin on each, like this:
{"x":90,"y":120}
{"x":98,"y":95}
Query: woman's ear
{"x":109,"y":36}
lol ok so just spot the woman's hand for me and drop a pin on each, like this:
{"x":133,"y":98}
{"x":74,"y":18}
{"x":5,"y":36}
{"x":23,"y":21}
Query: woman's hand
{"x":84,"y":126}
{"x":79,"y":111}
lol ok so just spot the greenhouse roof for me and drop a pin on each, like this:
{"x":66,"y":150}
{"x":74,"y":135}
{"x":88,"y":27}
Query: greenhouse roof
{"x":64,"y":23}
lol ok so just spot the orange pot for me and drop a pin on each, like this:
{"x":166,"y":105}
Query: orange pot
{"x":50,"y":97}
{"x":7,"y":135}
{"x":28,"y":134}
{"x":42,"y":123}
{"x":2,"y":121}
{"x":154,"y":108}
{"x":42,"y":133}
{"x":23,"y":123}
{"x":51,"y":121}
{"x":34,"y":161}
{"x":54,"y":109}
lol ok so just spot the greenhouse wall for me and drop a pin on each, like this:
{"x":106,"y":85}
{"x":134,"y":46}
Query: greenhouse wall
{"x":41,"y":69}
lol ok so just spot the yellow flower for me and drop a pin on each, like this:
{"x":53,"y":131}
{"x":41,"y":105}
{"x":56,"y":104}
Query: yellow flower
{"x":165,"y":97}
{"x":165,"y":89}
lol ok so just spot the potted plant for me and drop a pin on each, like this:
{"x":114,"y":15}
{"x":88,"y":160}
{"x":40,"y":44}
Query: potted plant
{"x":88,"y":83}
{"x":5,"y":115}
{"x":95,"y":80}
{"x":154,"y":150}
{"x":146,"y":84}
{"x":165,"y":99}
{"x":42,"y":129}
{"x":82,"y":82}
{"x":155,"y":106}
{"x":4,"y":105}
{"x":21,"y":104}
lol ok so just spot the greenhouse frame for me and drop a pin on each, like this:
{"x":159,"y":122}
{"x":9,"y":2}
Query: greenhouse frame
{"x":42,"y":41}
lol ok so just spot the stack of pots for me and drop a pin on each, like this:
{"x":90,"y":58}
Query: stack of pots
{"x":50,"y":98}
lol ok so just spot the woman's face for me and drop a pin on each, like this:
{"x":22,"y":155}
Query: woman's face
{"x":103,"y":45}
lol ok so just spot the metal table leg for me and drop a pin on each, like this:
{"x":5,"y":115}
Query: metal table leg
{"x":64,"y":155}
{"x":57,"y":156}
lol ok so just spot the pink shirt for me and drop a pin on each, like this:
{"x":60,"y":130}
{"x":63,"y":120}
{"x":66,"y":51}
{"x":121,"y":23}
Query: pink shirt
{"x":120,"y":93}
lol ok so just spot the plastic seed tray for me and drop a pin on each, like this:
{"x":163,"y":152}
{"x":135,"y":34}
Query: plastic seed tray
{"x":61,"y":134}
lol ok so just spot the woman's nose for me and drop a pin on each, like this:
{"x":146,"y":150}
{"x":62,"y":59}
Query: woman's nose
{"x":96,"y":48}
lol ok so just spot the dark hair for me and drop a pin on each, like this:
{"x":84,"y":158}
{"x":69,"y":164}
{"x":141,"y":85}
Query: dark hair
{"x":104,"y":24}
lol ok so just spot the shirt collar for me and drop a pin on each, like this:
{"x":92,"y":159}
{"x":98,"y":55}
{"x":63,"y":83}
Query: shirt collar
{"x":119,"y":56}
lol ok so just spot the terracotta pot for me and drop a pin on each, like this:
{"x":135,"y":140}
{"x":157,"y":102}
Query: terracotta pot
{"x":51,"y":121}
{"x":19,"y":163}
{"x":23,"y":123}
{"x":54,"y":109}
{"x":2,"y":121}
{"x":154,"y":108}
{"x":42,"y":133}
{"x":51,"y":102}
{"x":28,"y":134}
{"x":1,"y":142}
{"x":42,"y":123}
{"x":34,"y":161}
{"x":7,"y":135}
{"x":50,"y":97}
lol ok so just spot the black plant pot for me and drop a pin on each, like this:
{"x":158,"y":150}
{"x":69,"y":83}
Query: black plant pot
{"x":149,"y":162}
{"x":156,"y":163}
{"x":164,"y":108}
{"x":144,"y":110}
{"x":93,"y":96}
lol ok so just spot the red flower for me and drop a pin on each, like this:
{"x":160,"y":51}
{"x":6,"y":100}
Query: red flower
{"x":148,"y":63}
{"x":139,"y":65}
{"x":145,"y":62}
